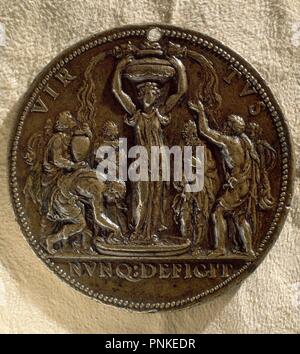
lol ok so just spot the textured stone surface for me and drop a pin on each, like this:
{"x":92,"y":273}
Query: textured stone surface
{"x":267,"y":34}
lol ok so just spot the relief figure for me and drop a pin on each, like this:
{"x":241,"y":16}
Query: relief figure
{"x":192,"y":210}
{"x":147,"y":119}
{"x":238,"y":195}
{"x":68,"y":187}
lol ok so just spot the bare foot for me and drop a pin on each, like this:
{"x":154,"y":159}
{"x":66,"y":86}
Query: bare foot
{"x":134,"y":236}
{"x":251,"y":253}
{"x":217,"y":253}
{"x":115,"y":238}
{"x":90,"y":252}
{"x":49,"y":246}
{"x":198,"y":252}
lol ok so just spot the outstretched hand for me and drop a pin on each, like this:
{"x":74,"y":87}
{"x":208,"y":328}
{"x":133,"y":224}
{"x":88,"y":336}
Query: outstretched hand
{"x":175,"y":62}
{"x":196,"y":106}
{"x":86,"y":130}
{"x":125,"y":61}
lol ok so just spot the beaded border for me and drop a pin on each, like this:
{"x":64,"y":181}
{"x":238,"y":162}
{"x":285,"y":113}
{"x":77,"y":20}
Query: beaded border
{"x":195,"y":39}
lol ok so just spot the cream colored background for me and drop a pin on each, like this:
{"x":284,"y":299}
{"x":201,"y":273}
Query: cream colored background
{"x":267,"y":34}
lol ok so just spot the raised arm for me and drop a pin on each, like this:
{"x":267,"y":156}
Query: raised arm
{"x":212,"y":135}
{"x":122,"y":97}
{"x":181,"y":88}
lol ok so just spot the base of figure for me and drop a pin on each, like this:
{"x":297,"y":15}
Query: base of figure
{"x":158,"y":249}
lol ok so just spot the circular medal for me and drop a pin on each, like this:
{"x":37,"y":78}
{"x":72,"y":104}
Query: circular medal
{"x":151,"y":167}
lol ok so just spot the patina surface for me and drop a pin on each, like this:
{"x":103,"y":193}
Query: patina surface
{"x":151,"y":245}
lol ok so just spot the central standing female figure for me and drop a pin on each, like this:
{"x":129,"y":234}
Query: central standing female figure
{"x":147,"y":120}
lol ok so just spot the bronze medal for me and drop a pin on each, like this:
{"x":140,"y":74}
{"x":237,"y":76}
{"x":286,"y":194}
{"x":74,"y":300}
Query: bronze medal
{"x":151,"y":167}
